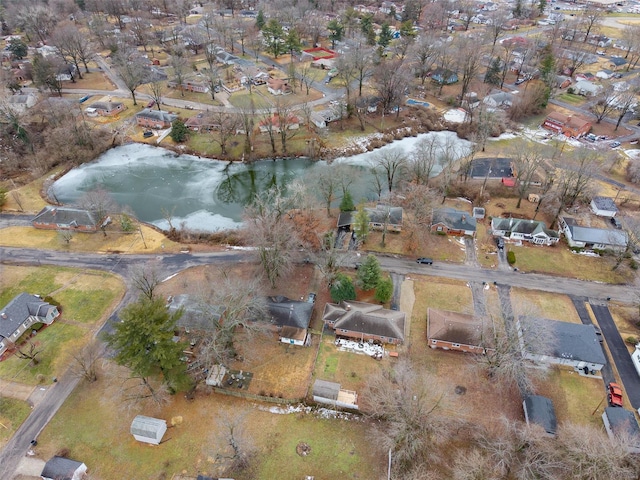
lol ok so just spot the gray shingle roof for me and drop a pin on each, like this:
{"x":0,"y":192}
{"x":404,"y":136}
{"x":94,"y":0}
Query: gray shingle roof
{"x":605,"y":203}
{"x":108,"y":106}
{"x":158,"y":115}
{"x":325,"y":389}
{"x":376,"y":215}
{"x":65,"y":216}
{"x":362,"y":317}
{"x":18,"y":310}
{"x":60,"y":468}
{"x":454,"y":219}
{"x":603,"y":236}
{"x":562,"y":340}
{"x":539,"y":410}
{"x":285,"y":312}
{"x":196,"y":315}
{"x":622,"y":421}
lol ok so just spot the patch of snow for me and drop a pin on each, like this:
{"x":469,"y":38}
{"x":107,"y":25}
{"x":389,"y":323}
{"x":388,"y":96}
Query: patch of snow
{"x":587,"y":254}
{"x":456,"y":115}
{"x":504,"y":136}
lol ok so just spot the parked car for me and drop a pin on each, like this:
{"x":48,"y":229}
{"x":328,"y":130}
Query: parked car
{"x":147,"y":134}
{"x":615,"y":222}
{"x":615,"y":144}
{"x":591,"y":137}
{"x":357,"y":265}
{"x":598,"y":333}
{"x":311,"y":298}
{"x":151,"y":103}
{"x":425,"y":260}
{"x":520,"y":81}
{"x":500,"y":243}
{"x":614,"y":394}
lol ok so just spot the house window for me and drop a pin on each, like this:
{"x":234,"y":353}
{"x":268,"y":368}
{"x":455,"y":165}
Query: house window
{"x":26,"y":323}
{"x":434,"y":341}
{"x":16,"y":333}
{"x":439,"y":229}
{"x":456,"y":345}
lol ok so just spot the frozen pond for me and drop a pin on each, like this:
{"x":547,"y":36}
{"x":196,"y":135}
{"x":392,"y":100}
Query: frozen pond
{"x":203,"y":194}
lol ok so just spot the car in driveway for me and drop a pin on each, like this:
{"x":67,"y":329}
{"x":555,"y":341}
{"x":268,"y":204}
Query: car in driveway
{"x":425,"y":261}
{"x":500,"y":243}
{"x":615,"y":222}
{"x":615,"y":144}
{"x":614,"y":394}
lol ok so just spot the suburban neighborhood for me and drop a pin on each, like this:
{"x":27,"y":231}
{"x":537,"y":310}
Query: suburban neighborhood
{"x":284,"y":239}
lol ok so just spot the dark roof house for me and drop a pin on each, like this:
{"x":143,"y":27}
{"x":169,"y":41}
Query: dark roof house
{"x":455,"y":331}
{"x":61,"y":468}
{"x":196,"y":315}
{"x":66,"y":218}
{"x":378,"y":216}
{"x":292,"y":317}
{"x":20,"y":314}
{"x":563,"y":343}
{"x":365,"y":321}
{"x":155,"y":118}
{"x":622,"y":424}
{"x":539,"y":411}
{"x":492,"y":168}
{"x":453,"y":222}
{"x":595,"y":238}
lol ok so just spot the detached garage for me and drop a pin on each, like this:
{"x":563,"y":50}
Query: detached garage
{"x":148,"y":429}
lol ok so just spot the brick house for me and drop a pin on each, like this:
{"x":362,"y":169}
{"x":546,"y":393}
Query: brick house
{"x":453,"y":222}
{"x":157,"y":119}
{"x":568,"y":125}
{"x":364,"y":321}
{"x":454,"y":331}
{"x":278,"y":86}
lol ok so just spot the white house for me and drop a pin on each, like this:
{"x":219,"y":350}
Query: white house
{"x":586,"y":88}
{"x":605,"y":74}
{"x":499,"y":99}
{"x":61,"y":468}
{"x":148,"y":429}
{"x":604,"y":206}
{"x":561,"y":343}
{"x":517,"y":229}
{"x":594,"y":238}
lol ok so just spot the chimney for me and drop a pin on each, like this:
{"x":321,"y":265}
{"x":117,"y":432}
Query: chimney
{"x":347,"y":307}
{"x":464,"y":218}
{"x":54,"y":211}
{"x":3,"y":315}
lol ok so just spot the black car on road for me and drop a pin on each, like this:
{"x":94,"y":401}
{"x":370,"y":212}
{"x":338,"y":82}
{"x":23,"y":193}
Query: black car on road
{"x":425,"y":260}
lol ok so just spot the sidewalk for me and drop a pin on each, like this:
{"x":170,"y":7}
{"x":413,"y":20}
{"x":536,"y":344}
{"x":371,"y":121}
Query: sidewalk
{"x":19,"y":391}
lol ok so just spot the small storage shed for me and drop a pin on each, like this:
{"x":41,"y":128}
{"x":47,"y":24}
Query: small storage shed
{"x":148,"y":429}
{"x":539,"y":411}
{"x":331,"y":393}
{"x":604,"y":206}
{"x":60,"y":468}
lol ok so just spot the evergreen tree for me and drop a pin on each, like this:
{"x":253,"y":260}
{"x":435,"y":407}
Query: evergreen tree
{"x":143,"y":342}
{"x":384,"y":290}
{"x":518,"y":9}
{"x":407,"y":30}
{"x":346,"y":205}
{"x":260,"y":21}
{"x":336,"y":31}
{"x":366,"y":26}
{"x":292,"y":41}
{"x":342,"y":289}
{"x":361,"y":223}
{"x":542,"y":4}
{"x":18,"y":48}
{"x":492,"y":76}
{"x":179,"y":131}
{"x":548,"y":67}
{"x":369,"y":273}
{"x":385,"y":37}
{"x":274,"y":36}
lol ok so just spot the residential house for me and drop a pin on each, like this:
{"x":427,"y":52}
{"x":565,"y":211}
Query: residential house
{"x":603,"y":206}
{"x":201,"y":123}
{"x":499,"y":99}
{"x":517,"y":229}
{"x":278,"y":86}
{"x":479,"y":213}
{"x":450,"y":221}
{"x":368,"y":103}
{"x":492,"y":167}
{"x":105,"y":109}
{"x":568,"y":125}
{"x":365,"y":321}
{"x":560,"y":343}
{"x":587,"y":76}
{"x":562,"y":81}
{"x":622,"y":424}
{"x":291,"y":317}
{"x":616,"y":62}
{"x":592,"y":238}
{"x":20,"y":315}
{"x":66,"y":72}
{"x":21,"y":103}
{"x":66,"y":218}
{"x":275,"y":124}
{"x":539,"y":410}
{"x":605,"y":74}
{"x":148,"y":429}
{"x":378,"y":217}
{"x":587,"y":88}
{"x":455,"y":331}
{"x":197,"y":316}
{"x":157,"y":119}
{"x":331,"y":393}
{"x":61,"y":468}
{"x":442,"y":76}
{"x":197,"y":86}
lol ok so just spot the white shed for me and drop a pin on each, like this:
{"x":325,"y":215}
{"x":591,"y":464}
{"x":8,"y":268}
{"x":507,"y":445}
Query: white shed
{"x":604,"y":206}
{"x":148,"y":429}
{"x":331,"y":393}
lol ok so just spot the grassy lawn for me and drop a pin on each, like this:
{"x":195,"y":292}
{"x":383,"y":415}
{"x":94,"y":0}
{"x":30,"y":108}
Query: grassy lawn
{"x":339,"y":448}
{"x":244,"y":99}
{"x":27,"y":198}
{"x":575,"y":398}
{"x":559,"y":260}
{"x":544,"y":304}
{"x":626,"y":319}
{"x":91,"y":81}
{"x":86,"y":298}
{"x":12,"y":414}
{"x":571,"y":98}
{"x":29,"y":237}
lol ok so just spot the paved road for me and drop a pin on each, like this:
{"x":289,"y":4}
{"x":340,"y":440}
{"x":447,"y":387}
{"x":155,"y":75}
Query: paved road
{"x":626,"y":370}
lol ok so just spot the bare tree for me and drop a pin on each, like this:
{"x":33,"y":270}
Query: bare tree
{"x":468,"y":55}
{"x":625,"y":102}
{"x":393,"y":162}
{"x":423,"y":55}
{"x":156,"y":89}
{"x":391,"y":79}
{"x":73,"y":45}
{"x":306,"y":78}
{"x":131,"y":71}
{"x":287,"y":122}
{"x":236,"y":448}
{"x":273,"y":236}
{"x":29,"y":351}
{"x":324,"y":183}
{"x":179,"y":63}
{"x":225,"y":125}
{"x":65,"y":236}
{"x":590,"y":20}
{"x":527,"y":159}
{"x":85,"y":364}
{"x":605,"y":103}
{"x":100,"y":203}
{"x":146,"y":278}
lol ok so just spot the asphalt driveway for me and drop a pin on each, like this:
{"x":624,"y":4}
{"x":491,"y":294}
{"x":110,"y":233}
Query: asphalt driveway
{"x":628,"y":374}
